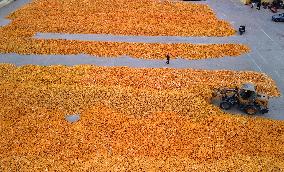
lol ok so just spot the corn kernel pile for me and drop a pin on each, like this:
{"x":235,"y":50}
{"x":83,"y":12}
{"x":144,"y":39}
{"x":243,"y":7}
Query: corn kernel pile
{"x":137,"y":120}
{"x":115,"y":49}
{"x":121,"y":17}
{"x":118,"y":17}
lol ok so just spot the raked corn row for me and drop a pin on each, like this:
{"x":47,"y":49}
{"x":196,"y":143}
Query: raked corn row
{"x":118,"y":17}
{"x":121,"y":17}
{"x":158,"y":79}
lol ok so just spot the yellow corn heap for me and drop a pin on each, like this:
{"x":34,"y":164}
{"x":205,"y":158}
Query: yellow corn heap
{"x":131,"y":119}
{"x":117,"y":17}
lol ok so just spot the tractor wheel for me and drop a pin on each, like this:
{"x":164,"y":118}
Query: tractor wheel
{"x":225,"y":105}
{"x":251,"y":110}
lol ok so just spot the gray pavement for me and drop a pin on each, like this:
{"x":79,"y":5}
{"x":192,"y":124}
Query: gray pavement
{"x":142,"y":39}
{"x":265,"y":38}
{"x":4,"y":22}
{"x":4,"y":11}
{"x":229,"y":63}
{"x":5,"y":2}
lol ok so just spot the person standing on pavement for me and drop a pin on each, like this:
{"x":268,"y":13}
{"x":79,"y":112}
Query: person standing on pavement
{"x":258,"y":4}
{"x":168,"y":59}
{"x":253,"y":2}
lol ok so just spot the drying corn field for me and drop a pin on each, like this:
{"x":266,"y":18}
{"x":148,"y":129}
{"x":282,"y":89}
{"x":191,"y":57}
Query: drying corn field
{"x":131,"y":120}
{"x":121,"y":17}
{"x":117,"y":17}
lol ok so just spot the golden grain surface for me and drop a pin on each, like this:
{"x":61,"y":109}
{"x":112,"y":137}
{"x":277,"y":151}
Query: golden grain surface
{"x":116,"y":49}
{"x":131,"y":119}
{"x":117,"y":17}
{"x":121,"y":17}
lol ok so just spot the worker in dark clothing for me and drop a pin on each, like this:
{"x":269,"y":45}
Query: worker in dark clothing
{"x":168,"y":59}
{"x":253,"y":3}
{"x":258,"y":4}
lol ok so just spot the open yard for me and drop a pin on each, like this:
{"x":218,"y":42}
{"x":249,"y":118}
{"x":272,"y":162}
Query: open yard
{"x":154,"y":117}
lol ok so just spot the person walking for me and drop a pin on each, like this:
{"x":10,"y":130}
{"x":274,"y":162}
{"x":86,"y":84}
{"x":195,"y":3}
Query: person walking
{"x":258,"y":5}
{"x":253,"y":3}
{"x":168,"y":59}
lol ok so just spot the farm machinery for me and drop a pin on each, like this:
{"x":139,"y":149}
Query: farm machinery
{"x":245,"y":97}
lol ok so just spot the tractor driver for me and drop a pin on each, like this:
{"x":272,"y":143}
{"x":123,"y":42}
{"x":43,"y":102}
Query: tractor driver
{"x":247,"y":92}
{"x":248,"y":95}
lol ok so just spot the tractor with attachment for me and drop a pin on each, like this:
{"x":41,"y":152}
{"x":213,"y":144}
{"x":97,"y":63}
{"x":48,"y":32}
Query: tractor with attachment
{"x":245,"y":97}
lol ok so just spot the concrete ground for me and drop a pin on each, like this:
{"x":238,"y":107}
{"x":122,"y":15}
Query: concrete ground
{"x":5,"y":2}
{"x":266,"y":39}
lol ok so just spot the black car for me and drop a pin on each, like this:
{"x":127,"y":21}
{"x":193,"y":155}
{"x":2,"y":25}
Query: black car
{"x":278,"y":17}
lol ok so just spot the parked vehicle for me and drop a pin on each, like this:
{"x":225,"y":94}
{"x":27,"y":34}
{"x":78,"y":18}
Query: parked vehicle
{"x":278,"y":17}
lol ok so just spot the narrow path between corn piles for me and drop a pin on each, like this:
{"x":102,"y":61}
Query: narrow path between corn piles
{"x":141,"y":39}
